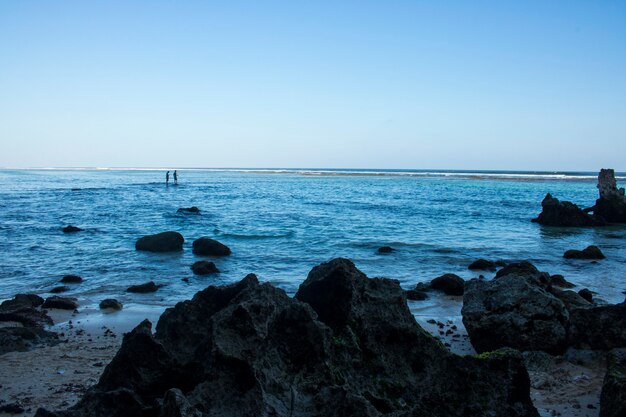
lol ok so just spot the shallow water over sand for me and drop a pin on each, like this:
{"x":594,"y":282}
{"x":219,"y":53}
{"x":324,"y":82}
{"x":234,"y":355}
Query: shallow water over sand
{"x":281,"y":225}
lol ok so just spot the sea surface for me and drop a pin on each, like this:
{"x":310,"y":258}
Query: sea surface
{"x":281,"y":223}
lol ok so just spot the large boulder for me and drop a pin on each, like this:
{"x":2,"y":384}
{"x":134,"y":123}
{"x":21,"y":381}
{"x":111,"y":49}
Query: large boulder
{"x":564,"y":214}
{"x":600,"y":327}
{"x":161,"y":242}
{"x":210,"y":247}
{"x":611,"y":206}
{"x":515,"y":310}
{"x":345,"y":345}
{"x":590,"y":252}
{"x":613,"y":395}
{"x":450,"y":284}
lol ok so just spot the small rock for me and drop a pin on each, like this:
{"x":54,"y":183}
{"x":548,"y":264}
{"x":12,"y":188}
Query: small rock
{"x":415,"y":295}
{"x":385,"y":249}
{"x":482,"y":264}
{"x":590,"y":252}
{"x":193,"y":209}
{"x":560,"y":281}
{"x":161,"y":242}
{"x":210,"y":247}
{"x":60,"y":289}
{"x":143,"y":288}
{"x":204,"y":268}
{"x":71,"y":229}
{"x":110,"y":303}
{"x":61,"y":303}
{"x":71,"y":279}
{"x":450,"y":284}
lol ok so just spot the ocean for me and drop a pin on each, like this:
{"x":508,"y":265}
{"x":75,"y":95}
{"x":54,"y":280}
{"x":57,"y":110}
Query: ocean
{"x":280,"y":223}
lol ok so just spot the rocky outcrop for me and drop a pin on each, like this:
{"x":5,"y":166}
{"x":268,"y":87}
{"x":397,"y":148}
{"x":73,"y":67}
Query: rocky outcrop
{"x":209,"y":247}
{"x":564,"y":214}
{"x":71,"y":229}
{"x":22,"y":324}
{"x":192,"y":210}
{"x":144,"y":288}
{"x":590,"y":252}
{"x":61,"y":303}
{"x":600,"y":327}
{"x":204,"y":268}
{"x":346,"y":345}
{"x":516,"y":310}
{"x":110,"y":304}
{"x":611,"y":206}
{"x":161,"y":242}
{"x":613,"y":396}
{"x":450,"y":284}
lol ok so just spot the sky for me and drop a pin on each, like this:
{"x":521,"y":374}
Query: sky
{"x":533,"y":85}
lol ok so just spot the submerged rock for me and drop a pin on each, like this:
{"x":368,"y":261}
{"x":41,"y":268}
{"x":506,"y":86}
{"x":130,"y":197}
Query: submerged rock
{"x":61,"y":303}
{"x":599,"y":327}
{"x":60,"y":289}
{"x":564,"y":214}
{"x":385,"y":249}
{"x":346,"y":345}
{"x":193,"y":210}
{"x":210,"y":247}
{"x":415,"y":295}
{"x":161,"y":242}
{"x":204,"y":268}
{"x":516,"y":310}
{"x":71,"y":279}
{"x":71,"y":229}
{"x":483,"y":264}
{"x":110,"y":304}
{"x":450,"y":284}
{"x":144,"y":288}
{"x":613,"y":396}
{"x":611,"y":206}
{"x":590,"y":252}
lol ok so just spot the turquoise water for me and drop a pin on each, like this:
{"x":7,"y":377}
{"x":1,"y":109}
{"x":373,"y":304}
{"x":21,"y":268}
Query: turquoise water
{"x":280,"y":224}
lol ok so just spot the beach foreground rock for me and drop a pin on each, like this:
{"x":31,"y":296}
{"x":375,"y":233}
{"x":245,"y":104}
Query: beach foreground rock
{"x":22,"y":324}
{"x":345,"y":345}
{"x":161,"y":242}
{"x":613,"y":396}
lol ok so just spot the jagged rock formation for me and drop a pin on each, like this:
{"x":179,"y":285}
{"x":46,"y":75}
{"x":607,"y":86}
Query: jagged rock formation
{"x":611,"y":206}
{"x":613,"y":396}
{"x":564,"y":214}
{"x":346,"y":345}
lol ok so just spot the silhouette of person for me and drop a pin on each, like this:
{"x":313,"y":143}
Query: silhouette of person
{"x":175,"y":177}
{"x":167,"y":177}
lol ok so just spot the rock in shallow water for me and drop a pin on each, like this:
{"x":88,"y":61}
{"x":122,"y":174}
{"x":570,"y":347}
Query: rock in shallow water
{"x":71,"y":279}
{"x":346,"y":345}
{"x":385,"y":249}
{"x":144,"y":288}
{"x":61,"y":303}
{"x":611,"y":206}
{"x":564,"y":214}
{"x":210,"y":247}
{"x":483,"y":264}
{"x":450,"y":284}
{"x":204,"y":268}
{"x":192,"y":209}
{"x":110,"y":304}
{"x":71,"y":229}
{"x":590,"y":252}
{"x":161,"y":242}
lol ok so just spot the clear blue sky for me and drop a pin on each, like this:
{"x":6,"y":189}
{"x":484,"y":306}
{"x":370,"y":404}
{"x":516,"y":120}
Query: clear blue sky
{"x":363,"y":84}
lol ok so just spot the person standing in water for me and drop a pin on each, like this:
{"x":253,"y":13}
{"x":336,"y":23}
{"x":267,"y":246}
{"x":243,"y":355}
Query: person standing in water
{"x":167,"y":178}
{"x":175,"y":178}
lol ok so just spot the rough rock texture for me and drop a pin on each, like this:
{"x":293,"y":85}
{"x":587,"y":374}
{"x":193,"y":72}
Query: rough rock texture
{"x":110,"y":304}
{"x":161,"y":242}
{"x":611,"y":206}
{"x":192,"y":209}
{"x":601,"y":327}
{"x":71,"y":279}
{"x":210,"y":247}
{"x":144,"y":288}
{"x":345,"y":346}
{"x":570,"y":298}
{"x":385,"y":249}
{"x":204,"y":268}
{"x":515,"y":310}
{"x":22,"y":324}
{"x":613,"y":396}
{"x":61,"y":303}
{"x":586,"y":294}
{"x":558,"y":280}
{"x":564,"y":214}
{"x":590,"y":252}
{"x":450,"y":284}
{"x":482,"y":264}
{"x":71,"y":229}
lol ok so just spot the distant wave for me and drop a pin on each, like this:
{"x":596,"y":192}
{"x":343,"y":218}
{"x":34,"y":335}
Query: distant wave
{"x":254,"y":236}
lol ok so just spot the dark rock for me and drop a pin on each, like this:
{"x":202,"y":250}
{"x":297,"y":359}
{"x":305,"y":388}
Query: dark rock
{"x":385,"y":249}
{"x":204,"y":268}
{"x":22,"y":300}
{"x":415,"y":295}
{"x":210,"y":247}
{"x":111,"y":304}
{"x":12,"y":408}
{"x":71,"y":279}
{"x":611,"y":206}
{"x":144,"y":288}
{"x":23,"y":309}
{"x":613,"y":396}
{"x":161,"y":242}
{"x":71,"y":229}
{"x":422,"y":286}
{"x":560,"y":281}
{"x":61,"y":303}
{"x":20,"y":339}
{"x":590,"y":252}
{"x":564,"y":214}
{"x":586,"y":294}
{"x":450,"y":284}
{"x":514,"y":310}
{"x":571,"y":299}
{"x":346,"y":345}
{"x":600,"y":327}
{"x":60,"y":289}
{"x":482,"y":264}
{"x":193,"y":209}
